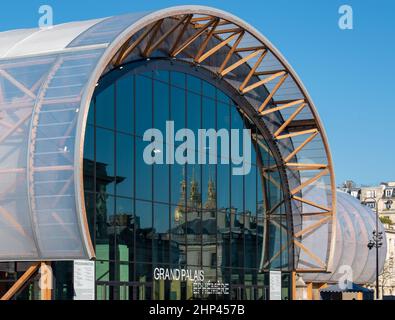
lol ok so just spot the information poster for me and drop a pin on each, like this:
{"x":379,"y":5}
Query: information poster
{"x":275,"y":285}
{"x":84,"y":280}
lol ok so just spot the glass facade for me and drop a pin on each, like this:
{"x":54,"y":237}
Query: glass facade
{"x":197,"y":217}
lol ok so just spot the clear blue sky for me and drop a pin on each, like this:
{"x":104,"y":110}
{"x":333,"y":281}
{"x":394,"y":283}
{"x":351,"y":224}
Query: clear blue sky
{"x":349,"y":74}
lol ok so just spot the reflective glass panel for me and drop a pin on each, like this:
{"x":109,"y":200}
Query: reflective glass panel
{"x":197,"y":216}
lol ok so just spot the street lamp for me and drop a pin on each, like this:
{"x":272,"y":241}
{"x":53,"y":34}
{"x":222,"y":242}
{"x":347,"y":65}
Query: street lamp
{"x":377,"y":242}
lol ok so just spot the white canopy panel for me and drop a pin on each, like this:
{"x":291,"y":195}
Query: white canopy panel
{"x":355,"y":226}
{"x":19,"y":43}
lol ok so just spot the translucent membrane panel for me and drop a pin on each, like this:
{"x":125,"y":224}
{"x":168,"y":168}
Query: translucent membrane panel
{"x":106,"y":31}
{"x":355,"y":226}
{"x":40,"y":108}
{"x":20,"y":83}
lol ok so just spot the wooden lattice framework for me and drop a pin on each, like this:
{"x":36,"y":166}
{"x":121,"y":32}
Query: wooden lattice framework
{"x":207,"y":38}
{"x":230,"y":35}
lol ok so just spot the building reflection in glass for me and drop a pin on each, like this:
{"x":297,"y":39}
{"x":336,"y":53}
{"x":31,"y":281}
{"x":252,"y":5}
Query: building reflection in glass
{"x":195,"y":217}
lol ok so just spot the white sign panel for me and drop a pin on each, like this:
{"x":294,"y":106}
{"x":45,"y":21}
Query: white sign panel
{"x":275,"y":285}
{"x":84,"y":280}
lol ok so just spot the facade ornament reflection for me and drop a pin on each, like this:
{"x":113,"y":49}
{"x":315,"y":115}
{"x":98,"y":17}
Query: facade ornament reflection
{"x":101,"y":211}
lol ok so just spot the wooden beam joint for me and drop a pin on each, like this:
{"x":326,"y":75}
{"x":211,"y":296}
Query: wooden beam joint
{"x":16,"y":287}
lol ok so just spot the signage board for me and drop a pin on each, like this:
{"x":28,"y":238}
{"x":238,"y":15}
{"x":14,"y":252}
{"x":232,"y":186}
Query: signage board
{"x":275,"y":285}
{"x":84,"y":280}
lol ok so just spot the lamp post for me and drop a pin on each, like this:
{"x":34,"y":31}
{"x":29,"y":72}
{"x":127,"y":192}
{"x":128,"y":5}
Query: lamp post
{"x":376,"y":242}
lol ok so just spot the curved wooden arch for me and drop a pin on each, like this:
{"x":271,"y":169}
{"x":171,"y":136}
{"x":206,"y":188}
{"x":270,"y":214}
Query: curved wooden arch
{"x":218,"y":41}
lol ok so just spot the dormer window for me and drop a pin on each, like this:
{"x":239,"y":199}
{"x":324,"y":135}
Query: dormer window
{"x":371,"y":193}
